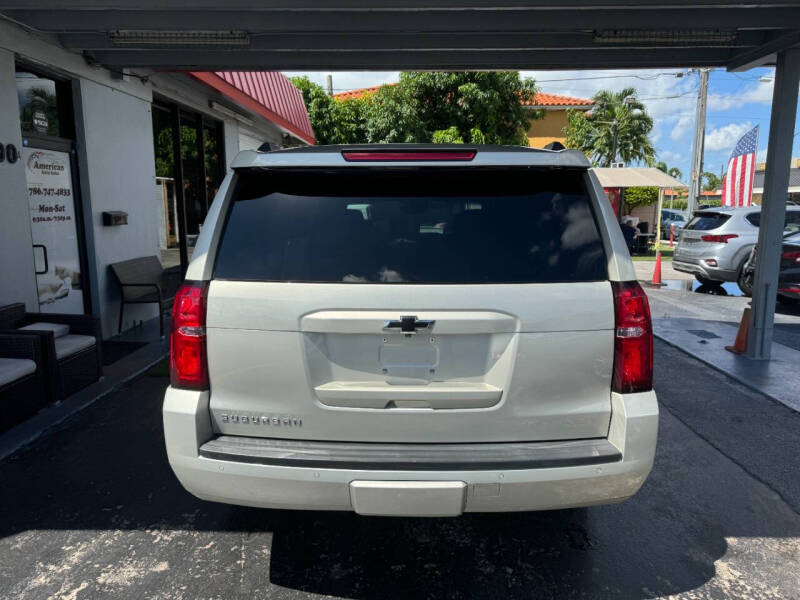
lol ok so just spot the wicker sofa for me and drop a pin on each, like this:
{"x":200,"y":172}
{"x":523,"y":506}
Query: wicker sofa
{"x":72,"y":346}
{"x":23,"y":377}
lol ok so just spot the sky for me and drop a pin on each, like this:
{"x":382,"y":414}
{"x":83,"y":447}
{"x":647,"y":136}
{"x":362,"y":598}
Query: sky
{"x":737,"y":102}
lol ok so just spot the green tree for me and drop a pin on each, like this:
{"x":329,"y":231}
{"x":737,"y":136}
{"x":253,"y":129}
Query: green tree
{"x":474,"y":107}
{"x":492,"y":102}
{"x":451,"y":135}
{"x":712,"y":182}
{"x":675,"y":172}
{"x":391,"y":116}
{"x":593,"y":133}
{"x":640,"y":196}
{"x":334,"y":121}
{"x":671,"y":171}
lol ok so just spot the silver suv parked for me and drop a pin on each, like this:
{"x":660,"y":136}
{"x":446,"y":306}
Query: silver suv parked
{"x":716,"y":243}
{"x":411,"y":330}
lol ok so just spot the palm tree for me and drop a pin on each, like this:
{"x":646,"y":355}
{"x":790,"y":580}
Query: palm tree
{"x":671,"y":171}
{"x":617,"y":128}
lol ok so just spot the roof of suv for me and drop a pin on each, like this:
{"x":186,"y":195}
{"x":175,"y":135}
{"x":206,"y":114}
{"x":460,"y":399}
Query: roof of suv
{"x":485,"y":155}
{"x":739,"y":209}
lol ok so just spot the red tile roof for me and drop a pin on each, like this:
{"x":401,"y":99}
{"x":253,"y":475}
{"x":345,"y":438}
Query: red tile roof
{"x":556,"y":100}
{"x":265,"y":93}
{"x":540,"y":99}
{"x":355,"y":94}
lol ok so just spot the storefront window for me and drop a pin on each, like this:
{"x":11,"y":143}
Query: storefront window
{"x":198,"y":169}
{"x":43,"y":102}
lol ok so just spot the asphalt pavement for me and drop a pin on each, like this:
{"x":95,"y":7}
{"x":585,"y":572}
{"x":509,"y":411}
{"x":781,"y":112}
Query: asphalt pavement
{"x":93,"y":511}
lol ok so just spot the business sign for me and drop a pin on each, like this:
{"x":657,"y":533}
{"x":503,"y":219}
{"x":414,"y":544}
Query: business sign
{"x":40,"y":121}
{"x":54,"y":230}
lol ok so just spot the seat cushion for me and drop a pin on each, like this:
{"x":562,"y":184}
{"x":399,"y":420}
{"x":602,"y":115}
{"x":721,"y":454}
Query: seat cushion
{"x":58,"y":329}
{"x":12,"y":369}
{"x":72,"y":344}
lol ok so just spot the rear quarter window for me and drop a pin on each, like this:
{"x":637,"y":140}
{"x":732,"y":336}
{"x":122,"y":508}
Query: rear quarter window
{"x":791,"y":224}
{"x":707,"y":221}
{"x":423,"y":226}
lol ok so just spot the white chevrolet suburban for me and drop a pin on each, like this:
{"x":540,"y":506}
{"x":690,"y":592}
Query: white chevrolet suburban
{"x":411,"y":330}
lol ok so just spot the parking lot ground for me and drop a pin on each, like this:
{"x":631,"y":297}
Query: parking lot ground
{"x":644,"y":271}
{"x":93,"y":511}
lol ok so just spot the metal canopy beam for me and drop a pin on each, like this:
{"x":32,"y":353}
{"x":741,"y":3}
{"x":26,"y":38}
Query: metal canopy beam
{"x":758,"y":56}
{"x":399,"y":20}
{"x":419,"y":60}
{"x":773,"y":205}
{"x":249,"y":5}
{"x":524,"y":40}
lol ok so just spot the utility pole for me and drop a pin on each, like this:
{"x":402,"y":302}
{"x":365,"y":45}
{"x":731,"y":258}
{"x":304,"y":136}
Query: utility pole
{"x":614,"y":147}
{"x":699,"y":142}
{"x":330,"y":85}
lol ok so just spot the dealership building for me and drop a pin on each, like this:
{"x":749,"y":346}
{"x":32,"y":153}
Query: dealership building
{"x":100,"y":166}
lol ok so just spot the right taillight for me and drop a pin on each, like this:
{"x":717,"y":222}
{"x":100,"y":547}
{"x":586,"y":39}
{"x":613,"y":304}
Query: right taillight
{"x":187,"y":340}
{"x":719,"y":239}
{"x":790,"y":256}
{"x":633,"y":339}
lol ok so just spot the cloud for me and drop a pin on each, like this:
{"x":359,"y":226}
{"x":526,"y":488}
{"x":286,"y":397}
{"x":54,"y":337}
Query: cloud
{"x":725,"y":137}
{"x":671,"y":157}
{"x":760,"y":93}
{"x":682,"y":127}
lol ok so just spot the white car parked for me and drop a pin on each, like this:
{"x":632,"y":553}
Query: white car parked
{"x":411,"y":330}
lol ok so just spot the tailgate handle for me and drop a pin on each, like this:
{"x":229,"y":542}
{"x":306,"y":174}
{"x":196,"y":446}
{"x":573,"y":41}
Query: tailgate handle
{"x":408,"y":324}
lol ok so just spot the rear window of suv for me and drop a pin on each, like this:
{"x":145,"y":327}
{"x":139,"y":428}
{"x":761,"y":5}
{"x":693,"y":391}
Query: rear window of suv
{"x":366,"y":225}
{"x":707,"y":221}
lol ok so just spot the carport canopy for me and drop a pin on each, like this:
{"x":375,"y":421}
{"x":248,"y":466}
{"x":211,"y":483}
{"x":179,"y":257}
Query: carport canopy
{"x":627,"y":177}
{"x":636,"y":177}
{"x":226,"y":35}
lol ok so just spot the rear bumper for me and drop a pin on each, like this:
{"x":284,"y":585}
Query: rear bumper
{"x":699,"y":267}
{"x":633,"y":433}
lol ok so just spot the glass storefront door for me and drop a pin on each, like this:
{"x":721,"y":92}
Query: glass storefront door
{"x":48,"y":153}
{"x":188,"y":150}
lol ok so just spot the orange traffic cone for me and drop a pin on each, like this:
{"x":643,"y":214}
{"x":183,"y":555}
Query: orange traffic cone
{"x":740,"y":345}
{"x":657,"y":271}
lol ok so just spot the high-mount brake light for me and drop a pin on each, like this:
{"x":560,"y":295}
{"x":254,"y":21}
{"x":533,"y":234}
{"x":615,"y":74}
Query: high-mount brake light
{"x":633,"y":339}
{"x":402,"y":155}
{"x":187,"y":341}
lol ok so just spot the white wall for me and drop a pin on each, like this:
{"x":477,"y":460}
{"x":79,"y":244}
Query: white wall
{"x":116,"y":166}
{"x":17,"y":279}
{"x":120,"y":166}
{"x":251,"y":138}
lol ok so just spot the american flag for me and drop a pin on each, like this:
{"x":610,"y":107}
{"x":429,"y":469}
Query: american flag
{"x":737,"y":187}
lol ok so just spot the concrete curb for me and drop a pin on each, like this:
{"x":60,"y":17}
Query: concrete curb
{"x":733,"y":374}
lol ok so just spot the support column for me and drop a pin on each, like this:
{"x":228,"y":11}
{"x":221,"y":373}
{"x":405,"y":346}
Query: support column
{"x":773,"y":203}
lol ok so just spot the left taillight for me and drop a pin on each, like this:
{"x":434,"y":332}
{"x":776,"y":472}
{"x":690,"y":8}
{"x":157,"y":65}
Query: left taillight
{"x":187,"y":341}
{"x":633,"y":339}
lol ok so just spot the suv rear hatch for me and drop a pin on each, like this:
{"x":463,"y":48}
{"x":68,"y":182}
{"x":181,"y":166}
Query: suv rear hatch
{"x":691,"y":245}
{"x":411,"y":304}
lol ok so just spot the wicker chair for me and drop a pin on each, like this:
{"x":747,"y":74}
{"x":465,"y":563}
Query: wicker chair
{"x":71,"y":369}
{"x":26,"y":391}
{"x":144,"y":281}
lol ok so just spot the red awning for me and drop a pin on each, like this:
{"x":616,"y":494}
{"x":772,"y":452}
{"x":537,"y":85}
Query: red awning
{"x":265,"y":93}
